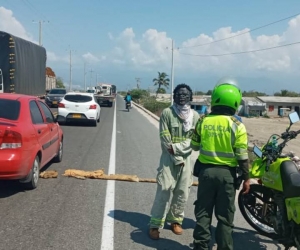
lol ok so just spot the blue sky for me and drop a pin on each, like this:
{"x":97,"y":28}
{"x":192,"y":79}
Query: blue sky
{"x":121,"y":40}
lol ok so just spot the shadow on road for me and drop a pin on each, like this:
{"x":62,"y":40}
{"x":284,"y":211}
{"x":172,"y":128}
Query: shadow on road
{"x":243,"y":238}
{"x":140,"y":235}
{"x":123,"y":110}
{"x":249,"y":239}
{"x":12,"y":187}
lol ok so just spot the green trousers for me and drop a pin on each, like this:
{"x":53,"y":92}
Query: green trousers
{"x":173,"y":188}
{"x":216,"y":192}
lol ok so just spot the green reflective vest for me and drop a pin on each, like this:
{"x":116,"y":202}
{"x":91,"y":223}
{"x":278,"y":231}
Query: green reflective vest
{"x":221,"y":139}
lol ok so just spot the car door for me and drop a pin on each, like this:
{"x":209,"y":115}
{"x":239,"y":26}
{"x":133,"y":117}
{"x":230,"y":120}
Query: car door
{"x":98,"y":108}
{"x":41,"y":131}
{"x":53,"y":126}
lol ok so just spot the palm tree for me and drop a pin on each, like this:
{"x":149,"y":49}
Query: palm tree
{"x":161,"y":81}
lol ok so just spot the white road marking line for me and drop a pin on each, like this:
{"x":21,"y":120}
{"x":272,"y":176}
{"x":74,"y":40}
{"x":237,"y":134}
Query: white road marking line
{"x":107,"y":241}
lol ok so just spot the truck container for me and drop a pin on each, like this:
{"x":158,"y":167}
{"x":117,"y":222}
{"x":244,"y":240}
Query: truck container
{"x":50,"y":79}
{"x":105,"y":94}
{"x":22,"y":66}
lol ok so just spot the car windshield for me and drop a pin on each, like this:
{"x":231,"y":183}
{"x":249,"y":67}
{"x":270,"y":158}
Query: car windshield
{"x":58,"y":91}
{"x":11,"y":110}
{"x":78,"y":98}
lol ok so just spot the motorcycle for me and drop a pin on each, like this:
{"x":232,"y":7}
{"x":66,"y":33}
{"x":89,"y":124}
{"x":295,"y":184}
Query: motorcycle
{"x":272,"y":206}
{"x":128,"y":106}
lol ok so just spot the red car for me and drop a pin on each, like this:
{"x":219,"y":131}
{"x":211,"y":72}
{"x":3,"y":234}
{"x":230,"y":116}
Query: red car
{"x":30,"y":137}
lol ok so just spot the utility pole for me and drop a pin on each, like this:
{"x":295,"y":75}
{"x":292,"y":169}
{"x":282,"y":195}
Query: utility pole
{"x":138,"y":82}
{"x":70,"y":84}
{"x":97,"y":79}
{"x":84,"y":76}
{"x":40,"y":30}
{"x":172,"y":72}
{"x":70,"y":87}
{"x":91,"y":77}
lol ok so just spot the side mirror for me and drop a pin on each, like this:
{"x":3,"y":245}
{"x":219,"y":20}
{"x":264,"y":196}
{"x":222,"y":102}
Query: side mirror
{"x":294,"y":117}
{"x":257,"y":151}
{"x":49,"y":120}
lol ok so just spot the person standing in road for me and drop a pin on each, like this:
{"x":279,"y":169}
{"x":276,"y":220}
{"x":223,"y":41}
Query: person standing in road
{"x":174,"y":177}
{"x":223,"y":143}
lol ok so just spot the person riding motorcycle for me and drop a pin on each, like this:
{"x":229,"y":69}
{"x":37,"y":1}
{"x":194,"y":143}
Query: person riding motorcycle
{"x":128,"y":98}
{"x":222,"y":141}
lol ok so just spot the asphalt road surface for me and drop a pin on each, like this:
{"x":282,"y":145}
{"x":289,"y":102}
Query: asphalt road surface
{"x":73,"y":214}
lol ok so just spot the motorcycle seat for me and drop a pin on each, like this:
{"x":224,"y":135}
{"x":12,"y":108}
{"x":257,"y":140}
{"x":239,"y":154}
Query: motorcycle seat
{"x":290,"y":179}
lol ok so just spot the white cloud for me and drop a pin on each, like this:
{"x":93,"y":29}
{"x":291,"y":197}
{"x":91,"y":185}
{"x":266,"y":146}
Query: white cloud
{"x":52,"y":57}
{"x":148,"y":51}
{"x":145,"y":53}
{"x":11,"y":25}
{"x":110,"y":36}
{"x":89,"y":57}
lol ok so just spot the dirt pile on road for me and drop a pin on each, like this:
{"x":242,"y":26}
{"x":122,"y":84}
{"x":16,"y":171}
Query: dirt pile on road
{"x":99,"y":174}
{"x":49,"y":174}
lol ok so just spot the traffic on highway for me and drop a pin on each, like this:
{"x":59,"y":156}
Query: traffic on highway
{"x":72,"y":213}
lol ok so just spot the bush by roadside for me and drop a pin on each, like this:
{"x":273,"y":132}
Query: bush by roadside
{"x":154,"y":106}
{"x":143,"y":98}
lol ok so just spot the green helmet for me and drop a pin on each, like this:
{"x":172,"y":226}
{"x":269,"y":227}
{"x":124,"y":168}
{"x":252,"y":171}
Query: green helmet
{"x":226,"y":93}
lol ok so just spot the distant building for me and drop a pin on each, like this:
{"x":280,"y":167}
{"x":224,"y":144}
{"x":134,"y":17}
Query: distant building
{"x":50,"y":79}
{"x":280,"y":105}
{"x":201,"y":104}
{"x":256,"y":106}
{"x":251,"y":106}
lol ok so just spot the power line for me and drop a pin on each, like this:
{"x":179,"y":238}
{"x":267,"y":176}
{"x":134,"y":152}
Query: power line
{"x":243,"y":33}
{"x":243,"y":52}
{"x":54,"y":30}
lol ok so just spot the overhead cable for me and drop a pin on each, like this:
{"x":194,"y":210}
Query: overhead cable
{"x":242,"y":52}
{"x":240,"y":34}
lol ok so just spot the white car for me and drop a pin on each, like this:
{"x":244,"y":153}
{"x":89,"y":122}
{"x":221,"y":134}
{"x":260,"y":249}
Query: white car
{"x":78,"y":107}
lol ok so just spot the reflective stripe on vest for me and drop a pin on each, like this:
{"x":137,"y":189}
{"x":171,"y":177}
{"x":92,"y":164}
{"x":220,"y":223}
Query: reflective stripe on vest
{"x":215,"y":153}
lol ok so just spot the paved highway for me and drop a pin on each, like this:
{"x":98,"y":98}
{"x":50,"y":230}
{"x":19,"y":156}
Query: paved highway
{"x":68,"y":213}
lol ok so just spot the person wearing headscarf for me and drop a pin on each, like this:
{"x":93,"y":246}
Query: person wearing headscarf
{"x":174,"y":177}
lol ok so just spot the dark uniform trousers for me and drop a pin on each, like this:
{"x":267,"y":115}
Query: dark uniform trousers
{"x":216,"y":191}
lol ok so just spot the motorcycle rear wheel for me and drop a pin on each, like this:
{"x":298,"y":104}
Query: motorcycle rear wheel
{"x":297,"y":241}
{"x":252,"y":206}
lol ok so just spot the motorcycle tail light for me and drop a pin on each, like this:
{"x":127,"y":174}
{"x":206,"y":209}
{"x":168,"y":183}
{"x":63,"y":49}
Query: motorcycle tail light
{"x":11,"y":139}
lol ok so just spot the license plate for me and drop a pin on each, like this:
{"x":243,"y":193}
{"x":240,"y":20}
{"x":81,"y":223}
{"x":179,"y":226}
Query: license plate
{"x":76,"y":116}
{"x":54,"y":102}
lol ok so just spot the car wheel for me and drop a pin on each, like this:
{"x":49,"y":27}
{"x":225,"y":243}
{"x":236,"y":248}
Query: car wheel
{"x":59,"y":154}
{"x":98,"y":119}
{"x":94,"y":123}
{"x":32,"y":179}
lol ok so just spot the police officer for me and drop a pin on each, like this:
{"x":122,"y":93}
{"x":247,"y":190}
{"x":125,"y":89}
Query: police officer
{"x":222,"y":142}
